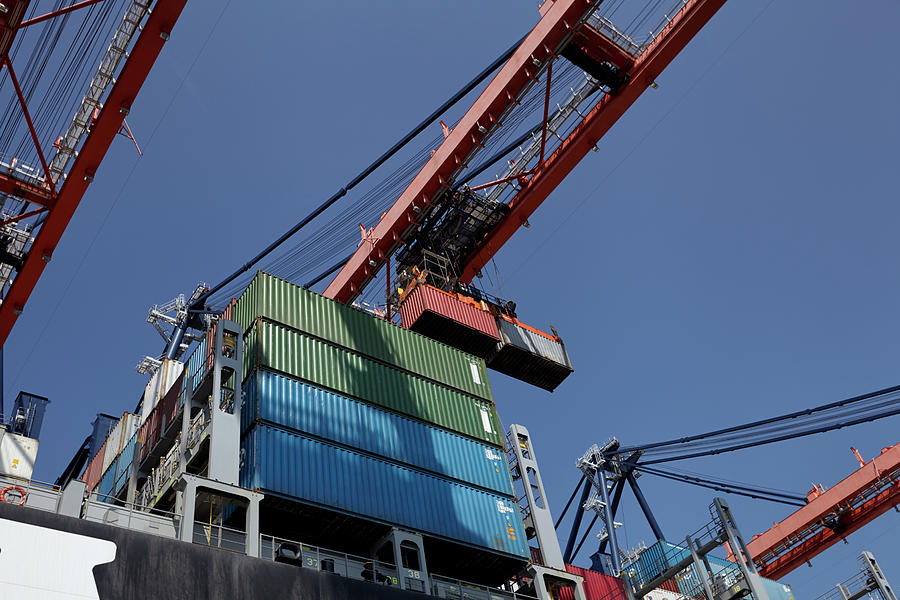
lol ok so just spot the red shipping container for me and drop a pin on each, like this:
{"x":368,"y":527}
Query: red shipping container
{"x":448,"y":319}
{"x":597,"y":586}
{"x":94,"y":470}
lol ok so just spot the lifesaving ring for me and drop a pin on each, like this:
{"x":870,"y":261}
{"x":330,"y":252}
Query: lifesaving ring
{"x":18,"y":489}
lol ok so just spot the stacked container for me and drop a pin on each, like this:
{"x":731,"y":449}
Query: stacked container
{"x":353,"y":414}
{"x":108,"y":470}
{"x":660,"y":556}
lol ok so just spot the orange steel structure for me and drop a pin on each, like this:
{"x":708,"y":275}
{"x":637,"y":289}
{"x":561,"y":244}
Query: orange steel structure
{"x":62,"y":203}
{"x":830,"y":516}
{"x":561,"y":22}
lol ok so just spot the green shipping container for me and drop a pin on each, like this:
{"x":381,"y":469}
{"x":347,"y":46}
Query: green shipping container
{"x":281,"y":349}
{"x":306,"y":311}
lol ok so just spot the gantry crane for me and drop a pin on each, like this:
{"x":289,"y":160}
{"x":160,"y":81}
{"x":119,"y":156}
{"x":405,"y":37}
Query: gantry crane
{"x":55,"y":192}
{"x":830,"y":516}
{"x":568,"y":29}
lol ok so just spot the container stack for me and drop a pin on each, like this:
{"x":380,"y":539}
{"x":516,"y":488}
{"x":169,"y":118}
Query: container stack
{"x":353,"y":424}
{"x":108,"y":471}
{"x":662,"y":555}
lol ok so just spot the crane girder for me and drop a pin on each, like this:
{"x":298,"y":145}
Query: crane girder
{"x":830,"y":516}
{"x":146,"y":48}
{"x":483,"y":117}
{"x":647,"y":67}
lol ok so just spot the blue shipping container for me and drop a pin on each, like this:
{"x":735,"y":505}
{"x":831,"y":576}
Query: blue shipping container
{"x":294,"y":465}
{"x":105,"y":487}
{"x":662,"y":555}
{"x":285,"y":401}
{"x":123,"y":464}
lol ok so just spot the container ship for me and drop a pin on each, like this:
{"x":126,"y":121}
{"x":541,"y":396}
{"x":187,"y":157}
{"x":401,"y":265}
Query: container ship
{"x":345,"y":443}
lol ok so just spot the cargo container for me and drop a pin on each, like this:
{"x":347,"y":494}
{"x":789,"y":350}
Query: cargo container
{"x":450,"y":319}
{"x":777,"y":590}
{"x":94,"y":469}
{"x":105,"y":487}
{"x":17,"y":454}
{"x":661,"y":555}
{"x":347,"y":327}
{"x":302,"y":407}
{"x":291,"y":353}
{"x":529,"y":355}
{"x":159,"y":385}
{"x":597,"y":586}
{"x":161,"y":420}
{"x":301,"y":468}
{"x":123,"y":464}
{"x":118,"y":437}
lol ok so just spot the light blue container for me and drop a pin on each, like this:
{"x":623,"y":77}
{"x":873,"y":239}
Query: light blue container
{"x":285,"y":401}
{"x":123,"y":464}
{"x":662,"y":555}
{"x":105,"y":487}
{"x":196,"y":366}
{"x":296,"y":466}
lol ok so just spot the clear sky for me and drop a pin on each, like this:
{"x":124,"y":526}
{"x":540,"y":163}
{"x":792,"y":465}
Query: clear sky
{"x":727,"y":255}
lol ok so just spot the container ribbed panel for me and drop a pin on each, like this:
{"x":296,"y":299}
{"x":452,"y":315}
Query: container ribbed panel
{"x":342,"y":325}
{"x":281,"y":349}
{"x":297,"y":466}
{"x":306,"y":408}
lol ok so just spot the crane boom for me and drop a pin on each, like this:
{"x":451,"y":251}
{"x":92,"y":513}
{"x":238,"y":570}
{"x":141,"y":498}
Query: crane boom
{"x":107,"y":124}
{"x":472,"y":131}
{"x":562,"y":21}
{"x":830,"y":516}
{"x":651,"y":62}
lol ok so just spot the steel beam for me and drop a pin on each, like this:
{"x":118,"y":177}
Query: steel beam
{"x":550,"y":32}
{"x":144,"y":53}
{"x":601,"y":48}
{"x":849,"y":522}
{"x":785,"y":546}
{"x":26,"y":191}
{"x":676,"y":35}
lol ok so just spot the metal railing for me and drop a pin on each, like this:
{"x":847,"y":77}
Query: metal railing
{"x":38,"y":495}
{"x":136,"y":517}
{"x":382,"y":573}
{"x":219,"y":536}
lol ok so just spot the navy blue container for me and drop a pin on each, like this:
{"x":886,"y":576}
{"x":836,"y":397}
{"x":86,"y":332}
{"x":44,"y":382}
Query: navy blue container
{"x":285,"y":401}
{"x":296,"y":466}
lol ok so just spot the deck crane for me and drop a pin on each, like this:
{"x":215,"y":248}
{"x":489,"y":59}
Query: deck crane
{"x":54,"y":192}
{"x":572,"y":29}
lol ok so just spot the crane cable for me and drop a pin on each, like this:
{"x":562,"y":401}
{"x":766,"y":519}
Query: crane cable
{"x":365,"y":172}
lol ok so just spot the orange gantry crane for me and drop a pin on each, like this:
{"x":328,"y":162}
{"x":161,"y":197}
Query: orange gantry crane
{"x":566,"y":29}
{"x":830,"y":516}
{"x":57,"y":191}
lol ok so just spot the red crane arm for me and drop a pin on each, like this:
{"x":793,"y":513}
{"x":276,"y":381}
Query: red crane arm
{"x":26,"y":191}
{"x":144,"y":53}
{"x":830,"y":516}
{"x":651,"y":62}
{"x":469,"y":133}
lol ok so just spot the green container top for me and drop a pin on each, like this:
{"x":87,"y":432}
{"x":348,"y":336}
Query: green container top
{"x":297,"y":307}
{"x":281,"y":349}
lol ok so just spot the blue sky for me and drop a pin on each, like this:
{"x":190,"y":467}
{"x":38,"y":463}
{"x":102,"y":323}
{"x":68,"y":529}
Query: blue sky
{"x":727,"y":255}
